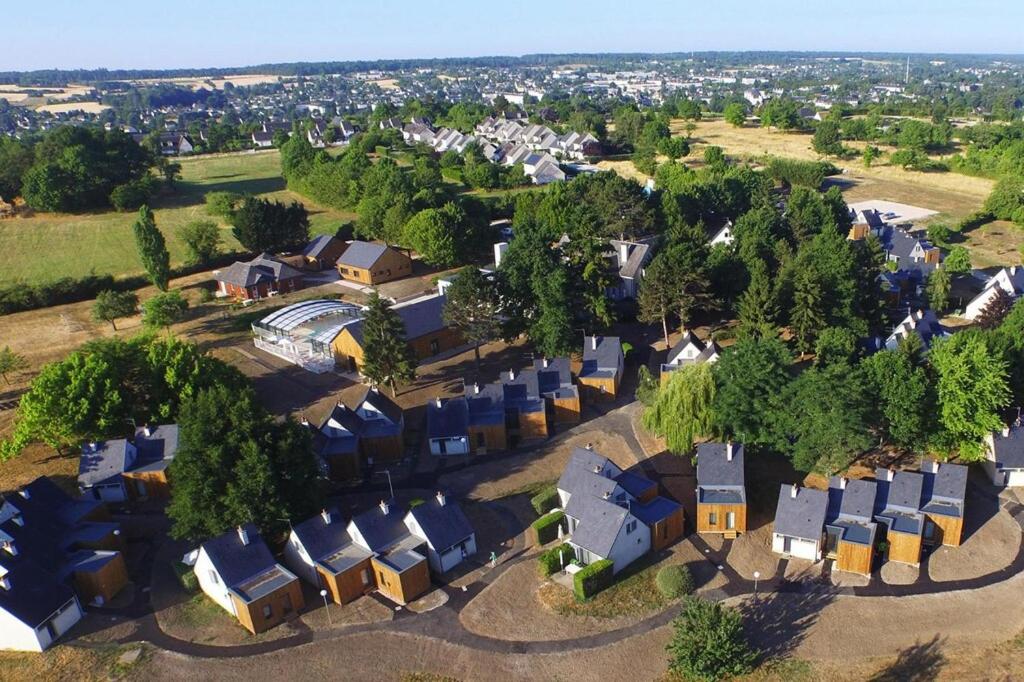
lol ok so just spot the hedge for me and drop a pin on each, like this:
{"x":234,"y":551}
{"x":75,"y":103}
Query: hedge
{"x":551,"y":560}
{"x":546,"y":527}
{"x":592,"y":579}
{"x":545,"y":500}
{"x":186,"y":576}
{"x":674,"y":581}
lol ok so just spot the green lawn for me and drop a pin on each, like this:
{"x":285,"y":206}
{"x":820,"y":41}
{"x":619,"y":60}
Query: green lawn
{"x":47,"y":246}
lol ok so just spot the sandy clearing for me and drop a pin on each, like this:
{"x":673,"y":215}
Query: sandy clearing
{"x":991,"y":547}
{"x":386,"y":83}
{"x":68,"y":107}
{"x":752,"y":551}
{"x":897,"y":573}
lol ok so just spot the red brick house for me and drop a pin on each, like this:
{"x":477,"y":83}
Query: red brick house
{"x":261,"y":277}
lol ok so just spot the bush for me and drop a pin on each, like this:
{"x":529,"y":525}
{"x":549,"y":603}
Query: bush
{"x":550,"y":561}
{"x":222,"y":203}
{"x":131,"y":196}
{"x":186,"y":576}
{"x":674,"y":581}
{"x":545,"y":500}
{"x":592,"y":579}
{"x":546,"y":527}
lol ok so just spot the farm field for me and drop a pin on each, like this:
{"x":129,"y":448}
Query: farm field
{"x":46,"y":246}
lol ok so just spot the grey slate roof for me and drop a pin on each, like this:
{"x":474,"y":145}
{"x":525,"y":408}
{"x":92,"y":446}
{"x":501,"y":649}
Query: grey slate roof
{"x":705,"y":351}
{"x":654,"y":511}
{"x":106,"y":462}
{"x":317,"y":246}
{"x":381,"y":531}
{"x":634,"y":484}
{"x":443,"y":525}
{"x":237,"y":563}
{"x":261,"y":269}
{"x":157,"y":449}
{"x":420,"y":317}
{"x":714,"y":468}
{"x":856,"y":501}
{"x":321,"y":539}
{"x":450,"y":420}
{"x":599,"y":523}
{"x":1009,"y":449}
{"x":581,"y":474}
{"x":802,"y":516}
{"x":361,"y":254}
{"x":604,"y":360}
{"x":944,"y":490}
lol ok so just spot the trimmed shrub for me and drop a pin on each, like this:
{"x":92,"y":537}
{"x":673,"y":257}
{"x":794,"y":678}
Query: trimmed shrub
{"x":592,"y":579}
{"x":546,"y":527}
{"x":550,"y":561}
{"x":545,"y":500}
{"x":674,"y":581}
{"x":186,"y":576}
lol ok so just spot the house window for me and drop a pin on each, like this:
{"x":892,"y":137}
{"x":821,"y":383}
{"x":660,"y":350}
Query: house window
{"x":435,"y":347}
{"x":268,"y":611}
{"x":730,"y":520}
{"x":213,"y":577}
{"x":630,"y":527}
{"x":480,"y":440}
{"x":712,"y":518}
{"x":364,"y":575}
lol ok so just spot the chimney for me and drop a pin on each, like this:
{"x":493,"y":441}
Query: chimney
{"x":606,"y":495}
{"x":889,"y":474}
{"x":1006,"y":432}
{"x":91,"y":446}
{"x":597,"y":468}
{"x":147,"y":431}
{"x":593,"y":343}
{"x":5,"y":582}
{"x":10,"y":548}
{"x":590,"y":446}
{"x":305,"y":422}
{"x":326,"y":517}
{"x":511,"y":375}
{"x":792,"y":491}
{"x":545,"y":363}
{"x":385,"y":508}
{"x":440,"y":498}
{"x":728,"y":451}
{"x":243,"y":535}
{"x":499,"y":252}
{"x":476,"y":388}
{"x":623,"y":253}
{"x":437,"y":402}
{"x":842,"y":482}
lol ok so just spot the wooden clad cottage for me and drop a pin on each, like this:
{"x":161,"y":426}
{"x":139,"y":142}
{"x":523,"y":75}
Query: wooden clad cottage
{"x":237,"y":571}
{"x":601,"y":371}
{"x":259,"y":278}
{"x":371,"y":430}
{"x":370,"y":263}
{"x":323,"y":252}
{"x":721,"y":489}
{"x":849,"y":525}
{"x":121,"y":470}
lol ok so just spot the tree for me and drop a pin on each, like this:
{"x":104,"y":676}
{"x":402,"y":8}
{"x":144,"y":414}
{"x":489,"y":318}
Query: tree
{"x":681,"y":412}
{"x":780,"y":113}
{"x":675,"y":283}
{"x":1007,"y":198}
{"x":972,"y":387}
{"x":807,"y":316}
{"x":902,"y":397}
{"x":10,"y":362}
{"x":387,"y":358}
{"x":938,"y":289}
{"x":432,"y":233}
{"x":110,"y":305}
{"x":757,"y":309}
{"x":471,"y":307}
{"x":222,"y":204}
{"x":748,"y":376}
{"x":958,"y":262}
{"x":674,"y":147}
{"x":708,"y":642}
{"x":152,"y":248}
{"x":164,"y":309}
{"x":827,"y":140}
{"x":202,"y":239}
{"x":808,"y":214}
{"x":15,"y":159}
{"x":835,"y":345}
{"x":996,"y":310}
{"x":735,"y":114}
{"x":869,"y":155}
{"x":261,"y":225}
{"x":235,"y":465}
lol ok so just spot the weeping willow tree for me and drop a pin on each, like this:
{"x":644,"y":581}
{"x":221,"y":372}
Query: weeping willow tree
{"x":681,"y":412}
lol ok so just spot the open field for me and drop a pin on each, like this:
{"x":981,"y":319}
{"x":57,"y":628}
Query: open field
{"x":240,"y":81}
{"x":67,"y":107}
{"x":45,"y":246}
{"x":21,"y":95}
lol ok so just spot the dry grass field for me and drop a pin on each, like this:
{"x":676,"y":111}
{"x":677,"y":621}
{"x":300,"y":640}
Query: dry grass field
{"x":67,"y":107}
{"x":46,"y":246}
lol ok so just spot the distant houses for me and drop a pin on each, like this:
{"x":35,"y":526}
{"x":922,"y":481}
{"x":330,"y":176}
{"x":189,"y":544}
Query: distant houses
{"x":56,"y":554}
{"x":614,"y":514}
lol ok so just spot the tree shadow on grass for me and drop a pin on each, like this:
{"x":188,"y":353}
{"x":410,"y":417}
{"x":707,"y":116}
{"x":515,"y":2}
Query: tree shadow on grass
{"x":917,"y":663}
{"x":776,"y":623}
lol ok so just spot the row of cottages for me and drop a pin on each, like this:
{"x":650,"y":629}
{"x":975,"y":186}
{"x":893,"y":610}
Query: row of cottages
{"x":905,"y":509}
{"x":371,"y":430}
{"x":519,"y":407}
{"x":1008,"y":280}
{"x":321,"y":334}
{"x":570,"y":145}
{"x":335,"y":133}
{"x":56,"y":554}
{"x":913,"y":258}
{"x":1004,"y":460}
{"x":259,"y":278}
{"x":721,"y":489}
{"x":614,"y":514}
{"x":122,"y":469}
{"x":391,"y":549}
{"x":688,"y":350}
{"x":603,"y":365}
{"x":371,"y":263}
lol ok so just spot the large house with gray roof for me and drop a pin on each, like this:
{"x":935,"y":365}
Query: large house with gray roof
{"x":614,"y":514}
{"x":721,"y":489}
{"x":923,"y":324}
{"x":262,"y":277}
{"x":121,"y":469}
{"x":1004,"y":456}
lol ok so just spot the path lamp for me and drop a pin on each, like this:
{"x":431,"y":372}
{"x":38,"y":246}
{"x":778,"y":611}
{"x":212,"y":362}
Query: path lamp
{"x":391,"y":488}
{"x":330,"y":623}
{"x":757,"y":574}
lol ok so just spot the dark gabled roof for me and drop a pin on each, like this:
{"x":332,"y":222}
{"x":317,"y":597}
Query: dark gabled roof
{"x":1008,"y":449}
{"x":450,"y":419}
{"x":236,"y":563}
{"x":658,"y":509}
{"x":46,"y":498}
{"x":320,"y":538}
{"x":422,"y":316}
{"x":380,"y":530}
{"x":854,"y":501}
{"x":381,"y":403}
{"x":634,"y":484}
{"x":599,"y":523}
{"x":715,"y":469}
{"x":319,"y":245}
{"x":601,"y":355}
{"x":159,"y":447}
{"x":35,"y":593}
{"x":443,"y":525}
{"x":704,"y":351}
{"x":582,"y":474}
{"x":945,"y":488}
{"x":262,"y":268}
{"x":486,"y":404}
{"x":902,"y":493}
{"x":362,"y":254}
{"x":102,"y":461}
{"x":802,"y":516}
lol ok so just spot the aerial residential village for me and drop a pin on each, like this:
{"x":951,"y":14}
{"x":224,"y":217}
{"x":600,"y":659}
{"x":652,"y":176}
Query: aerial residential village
{"x":617,"y":400}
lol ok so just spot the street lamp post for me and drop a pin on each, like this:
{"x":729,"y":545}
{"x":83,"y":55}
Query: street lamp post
{"x":757,"y":574}
{"x":387,"y":473}
{"x":327,"y":609}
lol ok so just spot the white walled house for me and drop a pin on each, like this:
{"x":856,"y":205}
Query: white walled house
{"x":35,"y":621}
{"x":799,"y":522}
{"x":448,"y":533}
{"x":602,"y":530}
{"x":1010,"y":280}
{"x":1004,"y":456}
